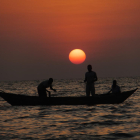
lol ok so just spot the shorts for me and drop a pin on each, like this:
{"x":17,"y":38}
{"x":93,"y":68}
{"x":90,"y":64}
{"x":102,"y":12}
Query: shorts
{"x":90,"y":89}
{"x":41,"y":92}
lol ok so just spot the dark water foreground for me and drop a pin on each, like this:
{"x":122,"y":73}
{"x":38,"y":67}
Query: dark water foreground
{"x":98,"y":122}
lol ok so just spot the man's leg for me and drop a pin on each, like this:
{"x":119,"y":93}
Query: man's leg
{"x":42,"y":92}
{"x":92,"y":90}
{"x":87,"y":90}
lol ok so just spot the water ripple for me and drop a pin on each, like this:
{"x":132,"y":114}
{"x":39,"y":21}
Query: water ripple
{"x":100,"y":122}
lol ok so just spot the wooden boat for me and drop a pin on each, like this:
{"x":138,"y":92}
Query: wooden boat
{"x":25,"y":100}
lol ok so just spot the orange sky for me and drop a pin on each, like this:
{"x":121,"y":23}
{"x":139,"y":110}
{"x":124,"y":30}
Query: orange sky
{"x":37,"y":36}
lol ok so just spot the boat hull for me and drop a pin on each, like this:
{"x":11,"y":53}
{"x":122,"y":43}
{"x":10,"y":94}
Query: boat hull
{"x":24,"y":100}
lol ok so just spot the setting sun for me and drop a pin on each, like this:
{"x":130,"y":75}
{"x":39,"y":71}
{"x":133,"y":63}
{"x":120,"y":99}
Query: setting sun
{"x":77,"y":56}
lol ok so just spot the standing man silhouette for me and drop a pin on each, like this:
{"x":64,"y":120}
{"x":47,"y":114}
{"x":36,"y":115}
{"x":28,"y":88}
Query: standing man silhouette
{"x":90,"y":78}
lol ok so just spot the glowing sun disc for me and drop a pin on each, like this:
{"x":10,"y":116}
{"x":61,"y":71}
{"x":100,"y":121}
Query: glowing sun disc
{"x":77,"y":56}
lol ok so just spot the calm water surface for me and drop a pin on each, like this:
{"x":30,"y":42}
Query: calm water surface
{"x":100,"y":122}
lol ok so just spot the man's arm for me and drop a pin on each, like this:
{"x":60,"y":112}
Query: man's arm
{"x":47,"y":91}
{"x":85,"y":78}
{"x":119,"y":90}
{"x":52,"y":88}
{"x":95,"y":79}
{"x":110,"y":90}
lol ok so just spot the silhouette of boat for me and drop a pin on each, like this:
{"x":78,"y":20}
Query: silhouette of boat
{"x":25,"y":100}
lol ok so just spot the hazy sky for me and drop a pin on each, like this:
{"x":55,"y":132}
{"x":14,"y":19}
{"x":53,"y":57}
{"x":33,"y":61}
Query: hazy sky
{"x":36,"y":37}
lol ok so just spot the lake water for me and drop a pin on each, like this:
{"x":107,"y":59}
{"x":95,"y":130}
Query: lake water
{"x":79,"y":122}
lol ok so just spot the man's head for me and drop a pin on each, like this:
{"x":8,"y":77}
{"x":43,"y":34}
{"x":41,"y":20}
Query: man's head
{"x":114,"y":82}
{"x":50,"y":80}
{"x":89,"y":67}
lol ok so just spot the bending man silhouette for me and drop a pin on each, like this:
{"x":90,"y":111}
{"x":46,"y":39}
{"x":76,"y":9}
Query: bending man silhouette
{"x":90,"y":78}
{"x":42,"y":88}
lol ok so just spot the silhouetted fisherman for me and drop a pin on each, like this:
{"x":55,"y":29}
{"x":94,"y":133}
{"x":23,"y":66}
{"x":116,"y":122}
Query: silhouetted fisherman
{"x":42,"y":88}
{"x":90,"y":78}
{"x":115,"y":88}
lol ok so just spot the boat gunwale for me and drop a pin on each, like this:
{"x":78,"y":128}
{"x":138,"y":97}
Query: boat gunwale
{"x":36,"y":100}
